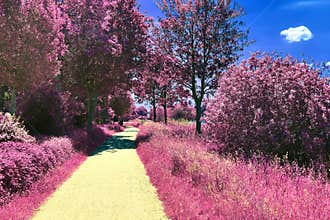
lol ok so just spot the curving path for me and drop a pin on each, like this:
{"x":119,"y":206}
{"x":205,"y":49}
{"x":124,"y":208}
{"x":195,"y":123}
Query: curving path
{"x":110,"y":184}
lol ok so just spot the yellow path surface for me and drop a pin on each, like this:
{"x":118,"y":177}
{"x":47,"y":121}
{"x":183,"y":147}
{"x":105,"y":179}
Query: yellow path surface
{"x":110,"y":184}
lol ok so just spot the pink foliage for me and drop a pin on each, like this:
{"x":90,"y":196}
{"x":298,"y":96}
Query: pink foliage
{"x":32,"y":42}
{"x":122,"y":104}
{"x":274,"y":105}
{"x":183,"y":112}
{"x":141,"y":112}
{"x":159,"y":82}
{"x":22,"y":164}
{"x":116,"y":127}
{"x":106,"y":39}
{"x":23,"y":206}
{"x":196,"y":184}
{"x":85,"y":142}
{"x":159,"y":113}
{"x":206,"y":37}
{"x":43,"y":110}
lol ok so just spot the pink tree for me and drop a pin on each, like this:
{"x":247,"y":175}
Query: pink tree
{"x":274,"y":105}
{"x":205,"y":37}
{"x":141,"y":112}
{"x":145,"y":85}
{"x":158,"y":81}
{"x":106,"y":39}
{"x":31,"y":43}
{"x":122,"y":104}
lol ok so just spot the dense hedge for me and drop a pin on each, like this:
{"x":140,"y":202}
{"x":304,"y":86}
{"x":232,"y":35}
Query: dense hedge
{"x":22,"y":164}
{"x":274,"y":105}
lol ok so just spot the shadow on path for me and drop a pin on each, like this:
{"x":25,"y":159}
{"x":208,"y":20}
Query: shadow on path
{"x":117,"y":142}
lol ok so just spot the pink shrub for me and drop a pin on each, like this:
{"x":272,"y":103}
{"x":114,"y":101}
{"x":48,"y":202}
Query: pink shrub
{"x":11,"y":129}
{"x":196,"y":184}
{"x":22,"y":164}
{"x":96,"y":137}
{"x":42,"y":111}
{"x":58,"y":149}
{"x":141,"y":111}
{"x":116,"y":127}
{"x":273,"y":105}
{"x":23,"y":206}
{"x":74,"y":112}
{"x":183,"y":112}
{"x":86,"y":142}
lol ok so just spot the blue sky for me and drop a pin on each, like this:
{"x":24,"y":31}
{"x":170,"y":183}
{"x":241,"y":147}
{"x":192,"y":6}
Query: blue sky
{"x":297,"y":27}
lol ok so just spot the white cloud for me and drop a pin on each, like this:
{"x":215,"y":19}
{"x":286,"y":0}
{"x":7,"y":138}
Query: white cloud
{"x":297,"y":34}
{"x":327,"y":64}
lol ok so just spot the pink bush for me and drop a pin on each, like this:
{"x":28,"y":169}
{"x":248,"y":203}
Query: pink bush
{"x":183,"y":112}
{"x":22,"y":164}
{"x":116,"y":127}
{"x":86,"y":142}
{"x":11,"y":129}
{"x":141,"y":111}
{"x":23,"y":206}
{"x":196,"y":184}
{"x":47,"y":111}
{"x":42,"y":111}
{"x":274,"y":105}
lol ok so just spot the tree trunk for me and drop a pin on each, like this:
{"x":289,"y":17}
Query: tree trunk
{"x":2,"y":99}
{"x":121,"y":121}
{"x":165,"y":106}
{"x":198,"y":108}
{"x":90,"y":112}
{"x":154,"y":105}
{"x":154,"y":117}
{"x":165,"y":113}
{"x":12,"y":108}
{"x":105,"y":115}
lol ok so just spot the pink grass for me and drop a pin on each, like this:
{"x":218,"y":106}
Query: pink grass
{"x":196,"y":184}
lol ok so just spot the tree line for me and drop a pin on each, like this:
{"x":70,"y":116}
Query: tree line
{"x":97,"y":49}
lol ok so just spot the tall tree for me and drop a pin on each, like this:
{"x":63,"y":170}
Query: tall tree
{"x":106,"y":39}
{"x":157,"y":82}
{"x":145,"y":87}
{"x":206,"y":37}
{"x":31,"y":43}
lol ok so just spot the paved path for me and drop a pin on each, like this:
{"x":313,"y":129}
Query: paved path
{"x":110,"y":184}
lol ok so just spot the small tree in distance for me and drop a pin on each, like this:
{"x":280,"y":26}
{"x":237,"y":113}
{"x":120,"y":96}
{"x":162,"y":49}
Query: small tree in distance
{"x":141,"y":112}
{"x":121,"y":104}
